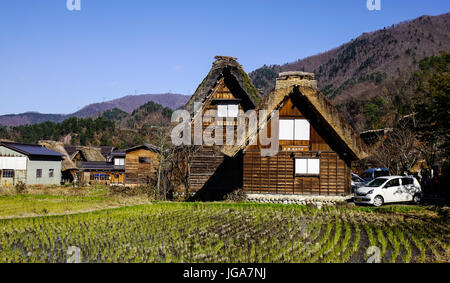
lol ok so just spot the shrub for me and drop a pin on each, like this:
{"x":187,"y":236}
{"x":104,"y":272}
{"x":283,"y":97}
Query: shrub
{"x":236,"y":195}
{"x":20,"y":188}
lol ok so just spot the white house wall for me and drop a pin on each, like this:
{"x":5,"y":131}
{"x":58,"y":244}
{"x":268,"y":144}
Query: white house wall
{"x":15,"y":163}
{"x":10,"y":159}
{"x":33,"y":165}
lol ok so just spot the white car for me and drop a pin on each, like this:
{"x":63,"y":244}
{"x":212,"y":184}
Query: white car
{"x":389,"y":189}
{"x":357,"y":182}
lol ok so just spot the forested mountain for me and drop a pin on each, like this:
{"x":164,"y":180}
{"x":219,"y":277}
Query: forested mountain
{"x":112,"y":127}
{"x":371,"y":78}
{"x":127,"y":104}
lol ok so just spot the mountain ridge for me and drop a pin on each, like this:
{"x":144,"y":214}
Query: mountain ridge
{"x":127,"y":103}
{"x":378,"y":64}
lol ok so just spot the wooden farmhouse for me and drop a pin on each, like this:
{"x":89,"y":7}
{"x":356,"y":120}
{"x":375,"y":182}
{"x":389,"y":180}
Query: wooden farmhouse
{"x":224,"y":92}
{"x":141,"y":165}
{"x":316,"y":145}
{"x":29,"y":164}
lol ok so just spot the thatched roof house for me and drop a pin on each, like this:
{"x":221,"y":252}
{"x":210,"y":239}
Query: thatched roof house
{"x":85,"y":153}
{"x":226,"y":91}
{"x":315,"y":146}
{"x":302,"y":87}
{"x":235,"y":78}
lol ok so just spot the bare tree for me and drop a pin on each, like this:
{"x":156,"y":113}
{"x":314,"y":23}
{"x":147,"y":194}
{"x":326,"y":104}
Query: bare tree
{"x":398,"y":151}
{"x":181,"y":165}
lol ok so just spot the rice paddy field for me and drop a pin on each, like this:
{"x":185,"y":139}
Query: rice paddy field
{"x":60,"y":200}
{"x":227,"y":232}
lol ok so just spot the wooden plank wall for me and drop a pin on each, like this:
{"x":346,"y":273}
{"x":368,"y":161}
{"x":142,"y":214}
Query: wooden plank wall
{"x":276,"y":174}
{"x":140,"y":173}
{"x":208,"y":162}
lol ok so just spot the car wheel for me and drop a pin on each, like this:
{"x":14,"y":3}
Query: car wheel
{"x":417,"y":199}
{"x":378,"y":201}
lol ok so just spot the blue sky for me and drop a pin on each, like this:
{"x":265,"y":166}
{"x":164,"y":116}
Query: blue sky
{"x":53,"y":60}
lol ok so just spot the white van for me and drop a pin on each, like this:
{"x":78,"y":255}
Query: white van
{"x":389,"y":189}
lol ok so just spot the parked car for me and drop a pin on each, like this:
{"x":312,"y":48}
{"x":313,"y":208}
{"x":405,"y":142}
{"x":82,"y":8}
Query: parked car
{"x":373,"y":173}
{"x":357,"y":182}
{"x":389,"y":189}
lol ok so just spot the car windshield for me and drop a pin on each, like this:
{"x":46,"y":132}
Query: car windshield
{"x":377,"y":182}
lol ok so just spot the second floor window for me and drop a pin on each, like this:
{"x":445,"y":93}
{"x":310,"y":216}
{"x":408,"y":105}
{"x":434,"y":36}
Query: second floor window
{"x":227,"y":110}
{"x":294,"y":130}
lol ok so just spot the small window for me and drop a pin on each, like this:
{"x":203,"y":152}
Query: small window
{"x":307,"y":166}
{"x":233,"y":110}
{"x":144,"y":160}
{"x":298,"y":129}
{"x":227,"y":110}
{"x":407,"y":181}
{"x":51,"y":173}
{"x":301,"y":130}
{"x":38,"y":173}
{"x":8,"y":173}
{"x":286,"y":130}
{"x":119,"y":162}
{"x":394,"y":183}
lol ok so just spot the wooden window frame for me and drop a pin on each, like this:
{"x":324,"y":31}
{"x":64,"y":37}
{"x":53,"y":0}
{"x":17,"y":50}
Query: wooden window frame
{"x":294,"y":120}
{"x":38,"y":173}
{"x":51,"y":173}
{"x":227,"y":105}
{"x":307,"y":165}
{"x":144,"y":160}
{"x":8,"y":175}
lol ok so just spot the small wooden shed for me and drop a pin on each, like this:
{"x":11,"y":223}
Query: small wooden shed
{"x":141,"y":165}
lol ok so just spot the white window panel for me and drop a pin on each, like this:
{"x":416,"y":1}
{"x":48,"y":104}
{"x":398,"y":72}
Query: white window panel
{"x":301,"y":166}
{"x":314,"y":166}
{"x":233,"y":110}
{"x":286,"y":130}
{"x":302,"y":130}
{"x":307,"y":166}
{"x":222,"y":110}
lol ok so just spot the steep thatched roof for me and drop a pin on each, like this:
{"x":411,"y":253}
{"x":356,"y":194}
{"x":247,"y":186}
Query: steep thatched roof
{"x":316,"y":107}
{"x":67,"y":163}
{"x":92,"y":153}
{"x":228,"y":68}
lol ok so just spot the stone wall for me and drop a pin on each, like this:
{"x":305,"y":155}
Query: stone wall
{"x":298,"y":199}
